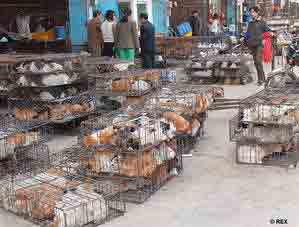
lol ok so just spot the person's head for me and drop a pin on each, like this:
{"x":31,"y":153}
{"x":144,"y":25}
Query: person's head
{"x":143,"y":17}
{"x":195,"y":13}
{"x":110,"y":15}
{"x":255,"y":11}
{"x":96,"y":14}
{"x":127,"y":16}
{"x":215,"y":16}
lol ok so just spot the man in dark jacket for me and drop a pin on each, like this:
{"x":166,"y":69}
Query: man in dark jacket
{"x":147,"y":42}
{"x":195,"y":23}
{"x":254,"y":40}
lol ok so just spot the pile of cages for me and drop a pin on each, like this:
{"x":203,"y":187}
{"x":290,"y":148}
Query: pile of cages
{"x":139,"y":148}
{"x":265,"y":128}
{"x":50,"y":89}
{"x":174,"y":51}
{"x":208,"y":66}
{"x":128,"y":83}
{"x":186,"y":107}
{"x":208,"y":44}
{"x":56,"y":197}
{"x":22,"y":149}
{"x":5,"y":82}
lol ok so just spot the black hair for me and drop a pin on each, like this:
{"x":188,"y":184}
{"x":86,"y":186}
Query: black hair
{"x":96,"y":13}
{"x":215,"y":16}
{"x":143,"y":16}
{"x":255,"y":9}
{"x":194,"y":11}
{"x":109,"y":15}
{"x":125,"y":18}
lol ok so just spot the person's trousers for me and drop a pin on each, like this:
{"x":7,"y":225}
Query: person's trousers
{"x":258,"y":62}
{"x":127,"y":54}
{"x":108,"y":49}
{"x":96,"y":51}
{"x":148,"y":60}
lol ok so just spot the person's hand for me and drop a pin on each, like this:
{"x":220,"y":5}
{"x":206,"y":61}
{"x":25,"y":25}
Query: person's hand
{"x":137,"y":51}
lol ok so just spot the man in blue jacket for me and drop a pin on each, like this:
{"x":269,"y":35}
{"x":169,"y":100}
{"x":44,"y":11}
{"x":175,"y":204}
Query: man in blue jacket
{"x":147,"y":42}
{"x":254,"y":40}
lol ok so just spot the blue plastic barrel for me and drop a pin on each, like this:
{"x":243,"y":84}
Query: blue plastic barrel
{"x":60,"y":32}
{"x":184,"y":28}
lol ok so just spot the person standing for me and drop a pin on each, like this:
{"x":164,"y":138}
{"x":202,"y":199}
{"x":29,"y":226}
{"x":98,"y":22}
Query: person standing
{"x":95,"y":36}
{"x":254,"y":41}
{"x":215,"y":28}
{"x":147,"y":42}
{"x":195,"y":23}
{"x":126,"y":38}
{"x":108,"y":29}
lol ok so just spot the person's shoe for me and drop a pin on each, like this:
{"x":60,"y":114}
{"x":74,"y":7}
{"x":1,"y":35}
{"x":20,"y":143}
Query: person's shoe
{"x":260,"y":83}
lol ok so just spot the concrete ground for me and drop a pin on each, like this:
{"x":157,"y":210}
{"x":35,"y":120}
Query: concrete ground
{"x":213,"y":191}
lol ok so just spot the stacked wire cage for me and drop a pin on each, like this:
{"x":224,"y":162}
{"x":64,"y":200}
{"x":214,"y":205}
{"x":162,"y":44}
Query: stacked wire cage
{"x":57,"y":197}
{"x":5,"y":81}
{"x":186,"y":106}
{"x":50,"y":88}
{"x":137,"y":147}
{"x":175,"y":50}
{"x":130,"y":83}
{"x":22,"y":150}
{"x":117,"y":79}
{"x":208,"y":66}
{"x":265,"y":128}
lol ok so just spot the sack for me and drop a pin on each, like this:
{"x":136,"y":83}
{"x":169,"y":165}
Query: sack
{"x":267,"y":55}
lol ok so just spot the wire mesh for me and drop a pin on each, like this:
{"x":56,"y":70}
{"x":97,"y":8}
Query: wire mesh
{"x":25,"y":160}
{"x":13,"y":137}
{"x":55,"y":198}
{"x":275,"y":106}
{"x":134,"y":131}
{"x":69,"y":58}
{"x":138,"y":149}
{"x":140,"y":173}
{"x":126,"y":83}
{"x":284,"y":155}
{"x":259,"y":133}
{"x":51,"y":105}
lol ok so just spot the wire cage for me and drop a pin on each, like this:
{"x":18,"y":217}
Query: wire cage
{"x":132,"y":131}
{"x":50,"y":88}
{"x":226,"y":69}
{"x":134,"y":148}
{"x":259,"y":133}
{"x":57,"y":198}
{"x":105,"y":64}
{"x":58,"y":104}
{"x":284,"y":155}
{"x":5,"y":82}
{"x":278,"y":107}
{"x":265,"y":130}
{"x":175,"y":47}
{"x":12,"y":136}
{"x":25,"y":160}
{"x":189,"y":101}
{"x":42,"y":63}
{"x":141,"y":173}
{"x":126,"y":83}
